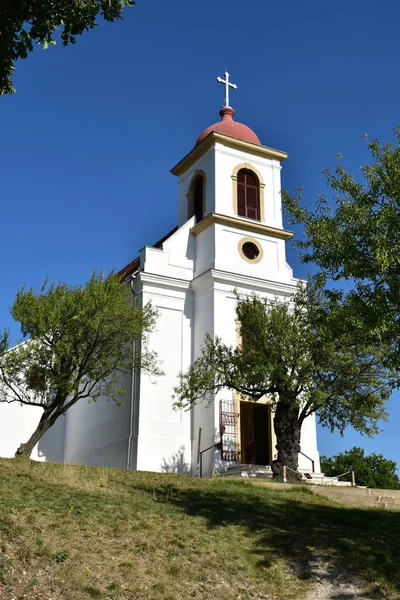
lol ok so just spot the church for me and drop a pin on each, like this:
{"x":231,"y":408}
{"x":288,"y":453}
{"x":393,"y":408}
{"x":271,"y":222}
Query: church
{"x":229,"y":236}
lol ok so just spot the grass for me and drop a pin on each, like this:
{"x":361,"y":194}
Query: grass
{"x":78,"y":533}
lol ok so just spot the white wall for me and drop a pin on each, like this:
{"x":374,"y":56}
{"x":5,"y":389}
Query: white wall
{"x":175,"y":259}
{"x":308,"y":444}
{"x":272,"y":266}
{"x":205,"y":251}
{"x":97,"y":432}
{"x":164,"y":441}
{"x":206,"y":163}
{"x":203,"y":414}
{"x":17,"y":423}
{"x":226,"y":159}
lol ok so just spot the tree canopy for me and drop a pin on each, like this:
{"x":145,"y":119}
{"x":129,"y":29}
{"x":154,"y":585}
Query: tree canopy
{"x":355,"y":238}
{"x":298,"y":356}
{"x":76,"y":340}
{"x":24,"y":23}
{"x":373,"y":470}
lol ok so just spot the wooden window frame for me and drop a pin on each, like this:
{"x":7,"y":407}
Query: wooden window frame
{"x":248,"y":195}
{"x":248,"y":167}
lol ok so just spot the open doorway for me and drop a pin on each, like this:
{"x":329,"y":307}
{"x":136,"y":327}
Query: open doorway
{"x":255,"y":443}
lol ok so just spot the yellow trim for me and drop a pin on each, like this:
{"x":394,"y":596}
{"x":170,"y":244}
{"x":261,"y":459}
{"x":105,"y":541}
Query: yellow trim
{"x":190,"y":194}
{"x":252,"y":226}
{"x":234,"y":175}
{"x":253,"y":261}
{"x":231,"y":142}
{"x":263,"y":400}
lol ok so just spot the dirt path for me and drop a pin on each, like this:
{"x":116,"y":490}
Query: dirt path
{"x":331,"y":585}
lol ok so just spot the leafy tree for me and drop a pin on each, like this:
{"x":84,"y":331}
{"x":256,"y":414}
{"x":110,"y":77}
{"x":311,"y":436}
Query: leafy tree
{"x":24,"y":23}
{"x":76,"y":341}
{"x":373,"y":471}
{"x":355,"y":238}
{"x":299,"y":357}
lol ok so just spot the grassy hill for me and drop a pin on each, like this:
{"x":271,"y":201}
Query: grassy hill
{"x":77,"y":533}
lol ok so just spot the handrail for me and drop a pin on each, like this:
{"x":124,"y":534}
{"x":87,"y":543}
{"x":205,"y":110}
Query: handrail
{"x":216,"y":445}
{"x":309,"y":458}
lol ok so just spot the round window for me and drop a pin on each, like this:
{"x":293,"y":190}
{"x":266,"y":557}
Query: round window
{"x":250,"y":250}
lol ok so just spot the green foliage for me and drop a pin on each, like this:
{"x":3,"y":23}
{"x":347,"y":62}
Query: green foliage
{"x":24,"y":23}
{"x":76,"y":339}
{"x":299,"y":356}
{"x":294,"y":353}
{"x":356,"y":238}
{"x":373,"y":471}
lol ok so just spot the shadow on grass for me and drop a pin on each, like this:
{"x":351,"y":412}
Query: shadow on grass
{"x":294,"y":526}
{"x":306,"y":531}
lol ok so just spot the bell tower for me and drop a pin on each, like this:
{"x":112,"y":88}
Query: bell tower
{"x":230,"y":198}
{"x":231,"y":184}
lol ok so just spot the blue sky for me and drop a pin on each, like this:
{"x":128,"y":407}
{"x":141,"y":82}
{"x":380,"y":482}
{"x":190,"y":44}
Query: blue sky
{"x":91,"y":124}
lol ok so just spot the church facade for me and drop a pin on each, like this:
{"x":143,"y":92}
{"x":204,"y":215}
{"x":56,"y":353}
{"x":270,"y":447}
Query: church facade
{"x":229,"y":236}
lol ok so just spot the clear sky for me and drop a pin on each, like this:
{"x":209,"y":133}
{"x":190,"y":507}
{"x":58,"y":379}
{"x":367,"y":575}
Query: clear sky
{"x":87,"y":142}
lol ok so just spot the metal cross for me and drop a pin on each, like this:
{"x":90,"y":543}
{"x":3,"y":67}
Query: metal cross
{"x":227,"y":84}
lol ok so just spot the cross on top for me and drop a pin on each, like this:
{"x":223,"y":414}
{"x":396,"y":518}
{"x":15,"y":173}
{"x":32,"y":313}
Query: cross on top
{"x":227,"y":84}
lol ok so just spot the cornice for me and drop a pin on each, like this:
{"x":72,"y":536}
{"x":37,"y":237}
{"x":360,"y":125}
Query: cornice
{"x":244,"y":281}
{"x":152,"y":279}
{"x":238,"y":223}
{"x":231,"y":142}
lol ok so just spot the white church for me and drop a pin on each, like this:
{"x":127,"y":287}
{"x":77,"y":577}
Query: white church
{"x":229,"y":236}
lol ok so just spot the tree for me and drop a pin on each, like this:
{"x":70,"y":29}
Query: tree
{"x":297,"y":355}
{"x":76,"y":341}
{"x":373,"y":471}
{"x":24,"y":23}
{"x":356,"y":239}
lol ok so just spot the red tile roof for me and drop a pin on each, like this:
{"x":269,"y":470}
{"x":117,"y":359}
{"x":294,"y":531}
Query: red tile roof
{"x":133,"y":266}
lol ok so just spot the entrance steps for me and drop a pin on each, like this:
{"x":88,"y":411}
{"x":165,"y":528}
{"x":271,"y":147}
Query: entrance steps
{"x":320,"y":479}
{"x":265,"y":472}
{"x":255,"y":471}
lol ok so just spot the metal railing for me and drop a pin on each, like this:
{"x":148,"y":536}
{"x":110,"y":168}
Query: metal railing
{"x":201,"y":452}
{"x":309,"y":458}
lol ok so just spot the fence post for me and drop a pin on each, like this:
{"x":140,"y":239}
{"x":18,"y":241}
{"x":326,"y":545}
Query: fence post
{"x":284,"y":474}
{"x":353,"y":478}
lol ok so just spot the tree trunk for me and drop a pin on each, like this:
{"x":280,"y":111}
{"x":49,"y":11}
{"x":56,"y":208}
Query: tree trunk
{"x":287,"y":429}
{"x":44,"y":424}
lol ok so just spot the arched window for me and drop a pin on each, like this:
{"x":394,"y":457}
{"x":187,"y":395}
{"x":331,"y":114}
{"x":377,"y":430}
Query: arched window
{"x":248,"y":195}
{"x":196,"y":198}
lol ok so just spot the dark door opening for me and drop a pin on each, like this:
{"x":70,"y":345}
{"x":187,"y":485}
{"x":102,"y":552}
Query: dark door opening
{"x":198,"y":200}
{"x":254,"y":433}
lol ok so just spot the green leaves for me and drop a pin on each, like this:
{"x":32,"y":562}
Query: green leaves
{"x":356,"y":239}
{"x":75,"y":341}
{"x":24,"y":23}
{"x":298,"y":353}
{"x":373,"y":471}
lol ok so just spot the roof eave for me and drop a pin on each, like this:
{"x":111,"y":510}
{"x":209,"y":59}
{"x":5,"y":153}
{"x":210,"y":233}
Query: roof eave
{"x":227,"y":140}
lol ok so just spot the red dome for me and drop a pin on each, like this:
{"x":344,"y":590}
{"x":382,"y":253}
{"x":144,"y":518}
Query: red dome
{"x":230,"y":127}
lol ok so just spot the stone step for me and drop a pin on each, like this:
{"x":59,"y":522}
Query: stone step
{"x":321,"y":479}
{"x":255,"y":471}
